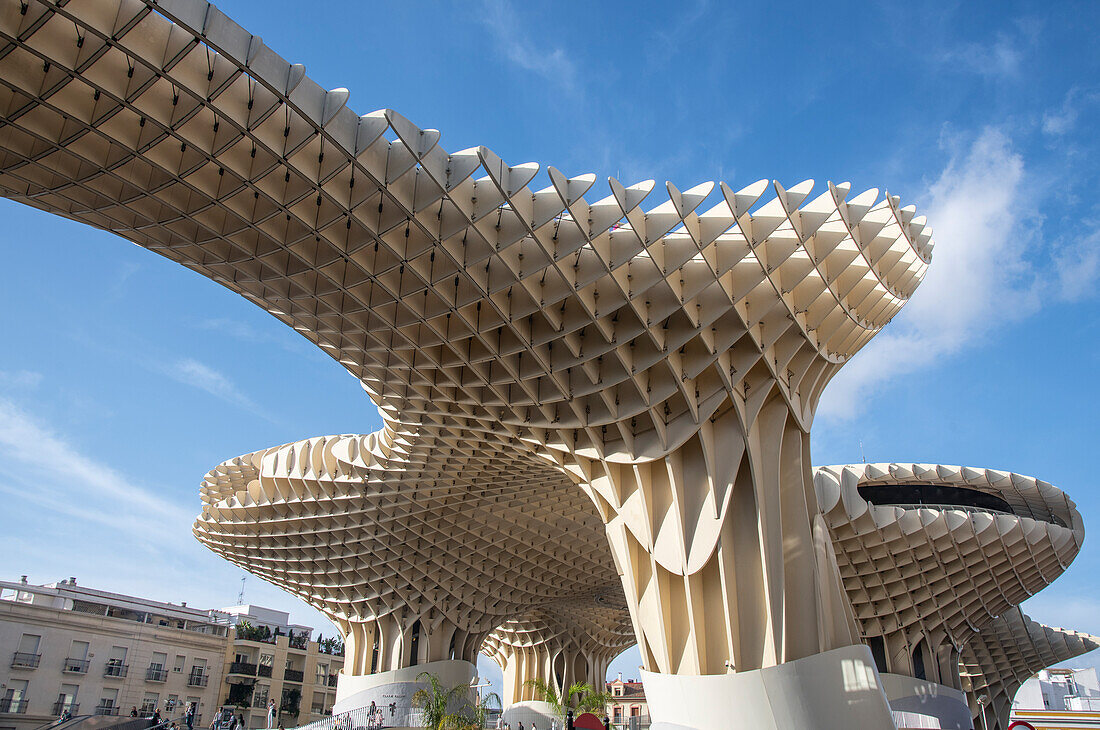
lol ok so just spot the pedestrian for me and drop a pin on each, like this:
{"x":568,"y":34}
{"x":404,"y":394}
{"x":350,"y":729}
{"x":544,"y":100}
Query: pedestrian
{"x":189,"y":716}
{"x":156,"y":716}
{"x":232,"y":722}
{"x":271,"y":712}
{"x":133,"y":711}
{"x":240,"y":721}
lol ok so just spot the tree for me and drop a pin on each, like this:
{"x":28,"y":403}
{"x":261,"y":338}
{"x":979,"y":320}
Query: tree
{"x":435,"y":701}
{"x":579,"y":696}
{"x":480,"y":708}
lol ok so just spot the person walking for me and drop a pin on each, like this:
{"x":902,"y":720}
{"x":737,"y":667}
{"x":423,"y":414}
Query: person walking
{"x":271,"y":712}
{"x":189,"y":716}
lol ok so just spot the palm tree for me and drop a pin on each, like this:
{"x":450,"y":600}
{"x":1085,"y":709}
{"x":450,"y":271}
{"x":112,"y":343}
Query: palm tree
{"x":434,"y":700}
{"x":480,"y":709}
{"x":580,"y":695}
{"x":548,"y":693}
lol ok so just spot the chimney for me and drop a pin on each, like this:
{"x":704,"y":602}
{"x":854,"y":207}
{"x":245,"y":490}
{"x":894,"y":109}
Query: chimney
{"x":72,"y":581}
{"x":23,"y":579}
{"x":184,"y":604}
{"x":620,"y":676}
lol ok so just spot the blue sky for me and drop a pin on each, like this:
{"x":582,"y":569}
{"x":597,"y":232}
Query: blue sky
{"x":126,"y":376}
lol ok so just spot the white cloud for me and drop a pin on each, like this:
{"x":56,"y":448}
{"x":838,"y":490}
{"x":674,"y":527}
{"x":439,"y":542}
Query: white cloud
{"x":44,"y":469}
{"x":517,"y":45}
{"x":978,"y":279}
{"x":19,"y":379}
{"x":1001,"y":57}
{"x":1078,"y":267}
{"x":1062,"y":120}
{"x":194,"y":373}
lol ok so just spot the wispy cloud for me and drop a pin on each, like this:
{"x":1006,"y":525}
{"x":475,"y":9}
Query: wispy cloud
{"x":43,"y":468}
{"x":19,"y":379}
{"x":286,"y":338}
{"x":1058,"y":122}
{"x":1078,"y":266}
{"x":198,"y":375}
{"x":979,"y":275}
{"x":516,"y":44}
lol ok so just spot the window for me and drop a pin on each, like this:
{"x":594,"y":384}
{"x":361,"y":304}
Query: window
{"x":159,"y":660}
{"x":618,"y":691}
{"x":66,"y":699}
{"x":322,"y":673}
{"x":878,"y":651}
{"x":259,"y":697}
{"x":918,"y":661}
{"x":172,"y":703}
{"x":618,"y":712}
{"x":27,"y":656}
{"x":178,"y":666}
{"x":149,"y":703}
{"x":29,"y":643}
{"x":77,"y":661}
{"x":107,"y":702}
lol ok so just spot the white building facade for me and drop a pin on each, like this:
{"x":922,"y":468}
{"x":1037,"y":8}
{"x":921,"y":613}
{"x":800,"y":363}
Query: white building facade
{"x":67,"y":647}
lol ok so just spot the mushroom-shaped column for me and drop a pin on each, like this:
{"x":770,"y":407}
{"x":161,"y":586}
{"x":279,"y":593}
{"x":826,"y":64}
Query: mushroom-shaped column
{"x":667,"y":358}
{"x":1006,"y":653}
{"x":931,"y":553}
{"x":566,"y":643}
{"x":390,"y":534}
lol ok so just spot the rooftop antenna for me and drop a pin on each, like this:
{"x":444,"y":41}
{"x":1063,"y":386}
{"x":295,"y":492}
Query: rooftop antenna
{"x":862,"y":455}
{"x":240,"y":596}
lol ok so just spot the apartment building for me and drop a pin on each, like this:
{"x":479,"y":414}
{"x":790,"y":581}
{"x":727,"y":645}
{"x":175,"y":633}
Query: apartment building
{"x":268,"y":658}
{"x":67,"y":647}
{"x":627,"y":706}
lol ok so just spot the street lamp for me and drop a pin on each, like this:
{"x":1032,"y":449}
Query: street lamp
{"x":983,"y":700}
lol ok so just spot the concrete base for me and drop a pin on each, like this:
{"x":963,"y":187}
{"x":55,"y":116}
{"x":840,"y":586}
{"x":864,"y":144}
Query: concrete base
{"x":836,"y":690}
{"x":392,"y":691}
{"x":532,"y":714}
{"x":918,"y":704}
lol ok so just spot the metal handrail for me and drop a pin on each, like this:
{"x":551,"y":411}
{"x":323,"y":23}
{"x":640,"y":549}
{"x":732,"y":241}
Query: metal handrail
{"x":156,"y":674}
{"x":116,"y":670}
{"x":76,"y":666}
{"x":25,"y":660}
{"x":13,"y":706}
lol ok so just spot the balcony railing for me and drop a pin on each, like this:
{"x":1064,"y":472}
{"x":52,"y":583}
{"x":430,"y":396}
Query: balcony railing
{"x":106,"y":710}
{"x":13,"y":706}
{"x":59,"y":707}
{"x":293,"y":675}
{"x":25,"y":660}
{"x":197,"y":680}
{"x":264,"y":670}
{"x":116,"y":670}
{"x":332,"y":680}
{"x":156,"y":673}
{"x":76,"y":666}
{"x":243,"y":668}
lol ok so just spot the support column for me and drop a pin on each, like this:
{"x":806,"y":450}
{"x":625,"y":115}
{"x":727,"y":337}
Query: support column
{"x":385,"y":657}
{"x":728,"y":567}
{"x":572,"y":642}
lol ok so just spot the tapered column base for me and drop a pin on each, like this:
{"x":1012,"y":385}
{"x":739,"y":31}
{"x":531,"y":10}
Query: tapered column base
{"x":918,"y":703}
{"x":392,"y":691}
{"x":835,"y":690}
{"x":531,"y":713}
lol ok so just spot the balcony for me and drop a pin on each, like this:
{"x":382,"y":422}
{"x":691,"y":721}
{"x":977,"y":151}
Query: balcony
{"x":293,"y":675}
{"x":106,"y":710}
{"x":75,"y":666}
{"x":263,"y":670}
{"x":156,"y":673}
{"x":71,"y":707}
{"x":116,"y":670}
{"x":25,"y":660}
{"x":12,"y":706}
{"x":197,"y":679}
{"x":243,"y":668}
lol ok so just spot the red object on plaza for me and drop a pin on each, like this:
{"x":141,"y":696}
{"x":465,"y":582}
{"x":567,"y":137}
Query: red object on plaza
{"x":588,"y":721}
